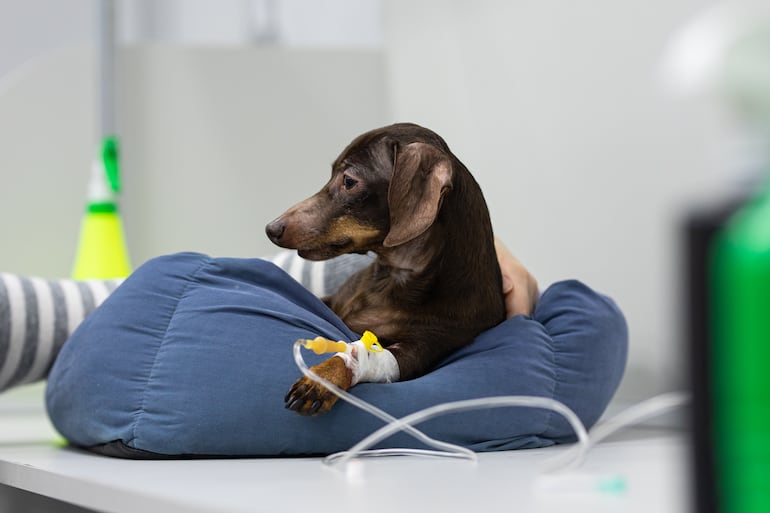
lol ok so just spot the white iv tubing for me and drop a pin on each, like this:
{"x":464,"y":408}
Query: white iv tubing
{"x":460,"y":406}
{"x":634,"y":414}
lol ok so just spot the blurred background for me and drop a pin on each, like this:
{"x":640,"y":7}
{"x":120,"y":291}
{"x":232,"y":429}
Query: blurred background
{"x":593,"y":127}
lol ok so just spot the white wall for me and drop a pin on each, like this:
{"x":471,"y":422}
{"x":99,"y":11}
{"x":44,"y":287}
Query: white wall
{"x":294,"y":23}
{"x":46,"y":131}
{"x":33,"y":28}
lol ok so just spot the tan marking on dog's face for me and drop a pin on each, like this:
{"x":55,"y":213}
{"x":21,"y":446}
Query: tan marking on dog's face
{"x":361,"y":236}
{"x":307,"y":232}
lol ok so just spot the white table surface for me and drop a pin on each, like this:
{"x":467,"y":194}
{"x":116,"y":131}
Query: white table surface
{"x":648,"y":467}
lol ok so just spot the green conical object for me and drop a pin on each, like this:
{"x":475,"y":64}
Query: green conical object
{"x":102,"y":252}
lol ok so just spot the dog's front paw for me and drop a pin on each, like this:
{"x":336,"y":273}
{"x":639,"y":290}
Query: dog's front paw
{"x":308,"y":397}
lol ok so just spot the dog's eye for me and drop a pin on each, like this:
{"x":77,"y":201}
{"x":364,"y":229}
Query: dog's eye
{"x":348,"y":182}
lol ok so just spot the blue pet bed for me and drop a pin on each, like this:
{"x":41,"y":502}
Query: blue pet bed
{"x":192,"y":356}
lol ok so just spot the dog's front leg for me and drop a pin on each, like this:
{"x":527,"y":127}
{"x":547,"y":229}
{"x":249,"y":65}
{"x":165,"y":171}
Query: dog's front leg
{"x":361,"y":361}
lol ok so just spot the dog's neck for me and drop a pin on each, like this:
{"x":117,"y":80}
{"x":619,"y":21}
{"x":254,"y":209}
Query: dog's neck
{"x":412,"y":260}
{"x":419,"y":263}
{"x":413,"y":256}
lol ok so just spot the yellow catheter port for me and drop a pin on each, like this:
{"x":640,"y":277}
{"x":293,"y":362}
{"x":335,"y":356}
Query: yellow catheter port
{"x":320,"y":345}
{"x":370,"y":342}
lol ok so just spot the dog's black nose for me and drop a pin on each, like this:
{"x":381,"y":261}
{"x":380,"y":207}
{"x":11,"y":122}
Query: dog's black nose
{"x":275,"y":230}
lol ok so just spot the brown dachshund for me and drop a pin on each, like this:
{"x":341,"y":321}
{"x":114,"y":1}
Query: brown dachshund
{"x":399,"y":192}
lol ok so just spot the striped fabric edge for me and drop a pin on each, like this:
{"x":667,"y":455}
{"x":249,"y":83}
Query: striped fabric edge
{"x":36,"y":318}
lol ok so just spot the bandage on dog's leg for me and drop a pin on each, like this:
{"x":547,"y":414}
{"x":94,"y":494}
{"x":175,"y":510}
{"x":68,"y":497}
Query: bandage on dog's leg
{"x":370,"y":366}
{"x":362,"y":361}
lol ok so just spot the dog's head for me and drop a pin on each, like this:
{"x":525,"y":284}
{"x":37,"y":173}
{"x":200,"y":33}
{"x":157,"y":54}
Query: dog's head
{"x":386,"y":190}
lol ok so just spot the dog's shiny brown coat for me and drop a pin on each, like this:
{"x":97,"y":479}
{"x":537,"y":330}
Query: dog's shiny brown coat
{"x":399,"y":192}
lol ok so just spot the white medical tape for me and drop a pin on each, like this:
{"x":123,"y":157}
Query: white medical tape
{"x":369,"y":366}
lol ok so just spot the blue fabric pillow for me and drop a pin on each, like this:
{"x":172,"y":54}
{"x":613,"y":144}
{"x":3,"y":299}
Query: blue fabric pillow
{"x":192,"y":356}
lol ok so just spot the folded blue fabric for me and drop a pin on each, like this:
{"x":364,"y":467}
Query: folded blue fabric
{"x":192,"y":356}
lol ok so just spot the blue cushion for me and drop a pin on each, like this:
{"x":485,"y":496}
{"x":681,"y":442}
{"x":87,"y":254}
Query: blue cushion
{"x":192,"y":356}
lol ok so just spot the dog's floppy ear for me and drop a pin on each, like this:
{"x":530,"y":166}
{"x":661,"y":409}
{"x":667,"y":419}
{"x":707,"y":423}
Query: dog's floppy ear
{"x":421,"y":175}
